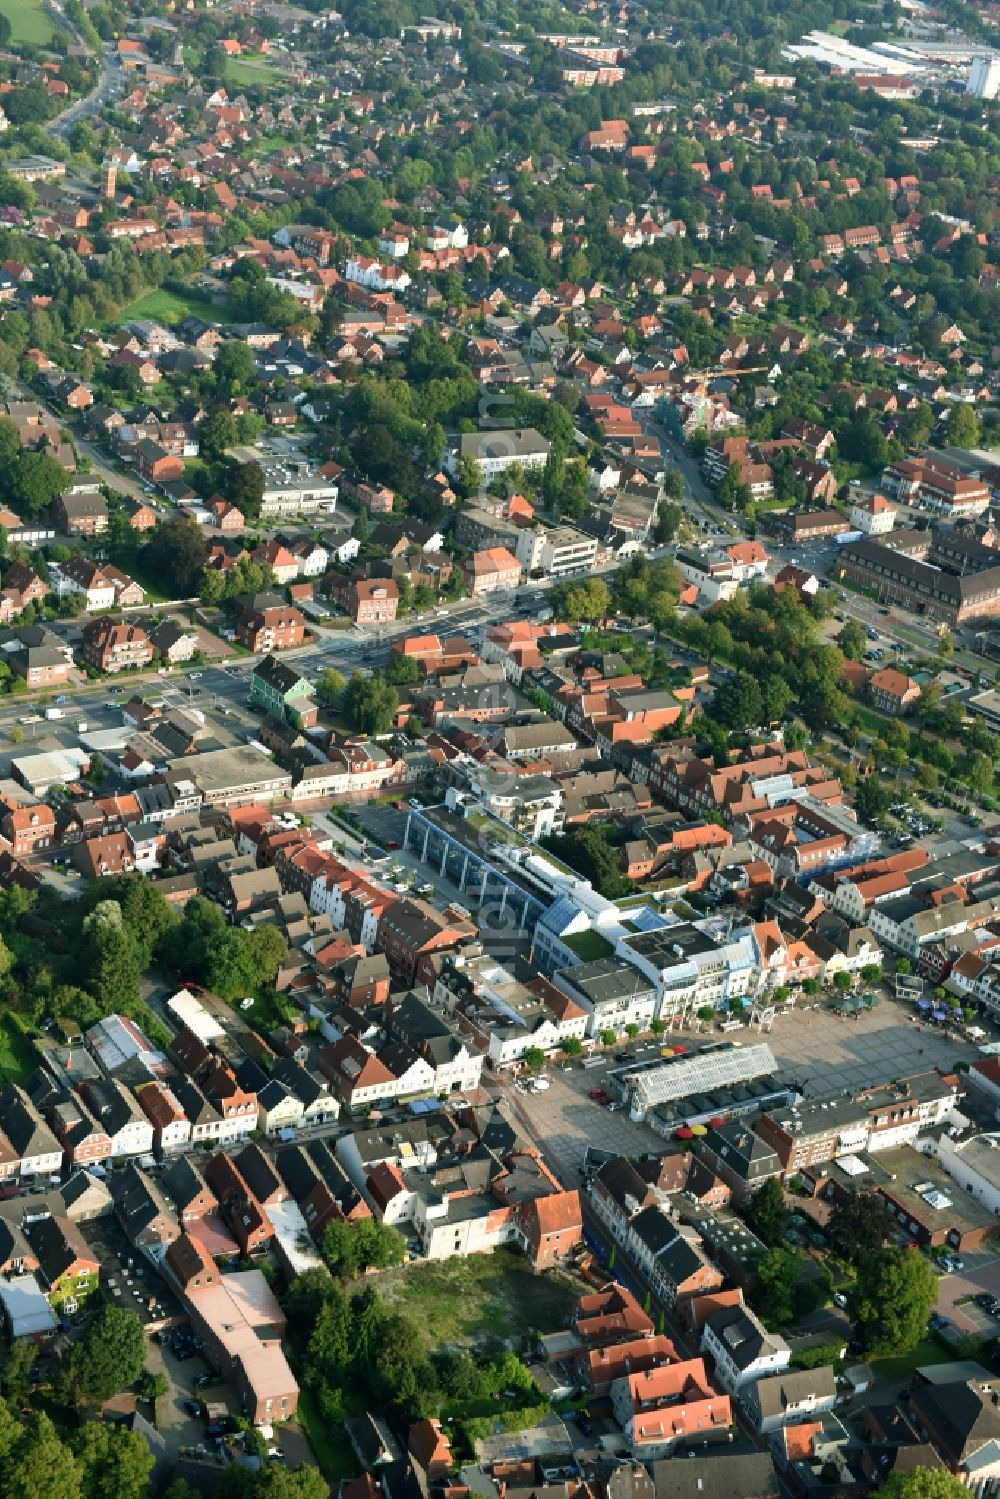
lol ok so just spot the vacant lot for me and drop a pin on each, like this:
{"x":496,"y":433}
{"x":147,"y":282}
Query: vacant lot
{"x":168,"y":307}
{"x":480,"y":1300}
{"x":17,"y":1058}
{"x":29,"y":21}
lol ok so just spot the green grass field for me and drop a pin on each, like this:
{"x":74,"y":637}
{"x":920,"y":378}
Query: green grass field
{"x":29,"y":21}
{"x":484,"y":1299}
{"x":169,"y":308}
{"x":17,"y":1057}
{"x":249,"y":72}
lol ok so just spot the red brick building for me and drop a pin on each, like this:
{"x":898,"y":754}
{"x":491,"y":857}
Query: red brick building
{"x":372,"y":601}
{"x":114,"y":645}
{"x":275,"y":627}
{"x":28,"y":828}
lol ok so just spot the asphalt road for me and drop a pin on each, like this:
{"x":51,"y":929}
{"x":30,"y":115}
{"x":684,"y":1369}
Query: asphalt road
{"x":111,"y":85}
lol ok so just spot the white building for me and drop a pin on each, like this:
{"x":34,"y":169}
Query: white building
{"x":531,"y":804}
{"x":394,"y":243}
{"x":556,"y":551}
{"x":448,"y":234}
{"x":873,"y":514}
{"x":98,"y":591}
{"x":376,"y":275}
{"x":797,"y":1395}
{"x":278,"y":1108}
{"x":741,"y":1349}
{"x":497,"y":450}
{"x":984,"y":78}
{"x":711,"y":573}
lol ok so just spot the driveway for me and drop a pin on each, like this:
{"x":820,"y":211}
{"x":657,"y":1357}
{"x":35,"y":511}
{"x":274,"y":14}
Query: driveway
{"x":176,"y":1427}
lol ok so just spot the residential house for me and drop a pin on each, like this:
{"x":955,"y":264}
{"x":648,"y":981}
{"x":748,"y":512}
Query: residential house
{"x":82,"y":513}
{"x":67,"y":1265}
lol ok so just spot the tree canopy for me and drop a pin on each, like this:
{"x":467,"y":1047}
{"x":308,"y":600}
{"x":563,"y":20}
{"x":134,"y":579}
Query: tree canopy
{"x":895,"y":1292}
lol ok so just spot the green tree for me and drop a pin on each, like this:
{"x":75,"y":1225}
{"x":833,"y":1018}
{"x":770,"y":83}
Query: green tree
{"x":853,"y":641}
{"x":17,"y":1365}
{"x":114,"y":1463}
{"x":272,"y":1481}
{"x":40,"y":1466}
{"x":245,"y":487}
{"x":107,"y":1359}
{"x":572,"y":1046}
{"x":534,"y":1058}
{"x":979,"y":773}
{"x":607,"y":1036}
{"x":350,"y":1248}
{"x":31,"y":482}
{"x":738,"y":703}
{"x":842,"y":981}
{"x":329,"y":1349}
{"x":895,"y":1292}
{"x":230,"y":970}
{"x":402,"y":670}
{"x":113,"y":968}
{"x":777,"y":1272}
{"x":962,"y":428}
{"x":234,"y":367}
{"x":148,"y":917}
{"x":217,"y":433}
{"x":329,"y":687}
{"x":586,"y":850}
{"x":922,"y":1483}
{"x":858,"y":1227}
{"x":871,"y":799}
{"x":305,"y":1299}
{"x":371,"y":704}
{"x":871,"y":973}
{"x":768,"y":1213}
{"x":175,"y":555}
{"x":268,"y":949}
{"x":581,"y":602}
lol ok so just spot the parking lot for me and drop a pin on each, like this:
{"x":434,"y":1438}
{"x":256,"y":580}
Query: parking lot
{"x":981,"y":1274}
{"x":565,"y":1121}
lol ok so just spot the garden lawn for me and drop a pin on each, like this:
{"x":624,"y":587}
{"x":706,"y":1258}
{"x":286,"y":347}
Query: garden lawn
{"x":168,"y":307}
{"x":481,"y":1299}
{"x":927,"y":1351}
{"x":17,"y":1057}
{"x":29,"y":21}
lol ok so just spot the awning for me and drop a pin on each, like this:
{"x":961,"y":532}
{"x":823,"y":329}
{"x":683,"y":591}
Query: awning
{"x":684,"y":1133}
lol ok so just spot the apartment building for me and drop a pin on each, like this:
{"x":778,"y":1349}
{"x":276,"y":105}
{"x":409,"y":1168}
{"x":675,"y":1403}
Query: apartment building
{"x":112,"y":645}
